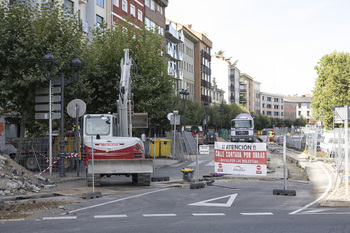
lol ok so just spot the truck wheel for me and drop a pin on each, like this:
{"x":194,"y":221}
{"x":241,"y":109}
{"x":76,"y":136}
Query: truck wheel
{"x":144,"y":179}
{"x":31,"y":163}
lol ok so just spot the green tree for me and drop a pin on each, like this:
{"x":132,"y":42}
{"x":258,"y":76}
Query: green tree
{"x":151,"y":85}
{"x":332,"y":85}
{"x":28,"y":31}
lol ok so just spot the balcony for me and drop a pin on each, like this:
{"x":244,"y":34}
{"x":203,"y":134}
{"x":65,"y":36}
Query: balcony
{"x":172,"y":34}
{"x":232,"y":77}
{"x":232,"y":87}
{"x":242,"y":90}
{"x":232,"y":98}
{"x":242,"y":99}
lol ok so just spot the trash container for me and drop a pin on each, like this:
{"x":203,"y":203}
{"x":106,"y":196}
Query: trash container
{"x":187,"y":174}
{"x":165,"y":146}
{"x":157,"y":147}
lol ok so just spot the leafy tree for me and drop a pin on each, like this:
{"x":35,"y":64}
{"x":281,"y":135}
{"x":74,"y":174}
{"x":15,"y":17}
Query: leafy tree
{"x":151,"y":85}
{"x":332,"y":85}
{"x":28,"y":31}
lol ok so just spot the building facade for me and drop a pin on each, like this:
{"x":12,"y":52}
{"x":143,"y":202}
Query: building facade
{"x":217,"y":93}
{"x":257,"y":100}
{"x":202,"y":67}
{"x":272,"y":105}
{"x":303,"y":107}
{"x":290,"y":109}
{"x":246,"y":92}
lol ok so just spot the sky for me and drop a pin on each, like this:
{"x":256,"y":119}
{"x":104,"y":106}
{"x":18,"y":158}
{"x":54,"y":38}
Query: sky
{"x":277,"y":42}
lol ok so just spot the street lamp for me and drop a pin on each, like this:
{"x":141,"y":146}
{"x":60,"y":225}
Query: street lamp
{"x":184,"y":94}
{"x":206,"y":122}
{"x":49,"y":63}
{"x":221,"y":111}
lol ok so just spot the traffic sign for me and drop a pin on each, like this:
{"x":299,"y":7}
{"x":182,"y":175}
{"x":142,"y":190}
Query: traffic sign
{"x":45,"y":107}
{"x":45,"y":99}
{"x":73,"y":105}
{"x":45,"y":116}
{"x":45,"y":91}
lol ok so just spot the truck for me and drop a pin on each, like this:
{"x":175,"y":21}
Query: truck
{"x":242,"y":128}
{"x":109,"y":147}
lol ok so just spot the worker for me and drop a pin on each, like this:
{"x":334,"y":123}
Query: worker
{"x":271,"y":137}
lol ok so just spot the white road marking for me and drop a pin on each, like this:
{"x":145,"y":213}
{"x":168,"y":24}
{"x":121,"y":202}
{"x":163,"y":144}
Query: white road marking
{"x":257,"y":214}
{"x":60,"y":218}
{"x":111,"y":216}
{"x":210,"y":164}
{"x":208,"y":214}
{"x":118,"y":200}
{"x":227,"y":204}
{"x":322,"y":196}
{"x":194,"y":163}
{"x":159,"y":215}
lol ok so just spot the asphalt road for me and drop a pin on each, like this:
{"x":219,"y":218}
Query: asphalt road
{"x":239,"y":205}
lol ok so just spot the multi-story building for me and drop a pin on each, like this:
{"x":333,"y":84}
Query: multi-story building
{"x":272,"y":105}
{"x":227,"y":77}
{"x":202,"y":67}
{"x":154,"y":13}
{"x":303,"y":107}
{"x":257,"y":100}
{"x":174,"y":48}
{"x":290,"y":109}
{"x":186,"y":66}
{"x":217,"y":95}
{"x":246,"y":92}
{"x":120,"y":10}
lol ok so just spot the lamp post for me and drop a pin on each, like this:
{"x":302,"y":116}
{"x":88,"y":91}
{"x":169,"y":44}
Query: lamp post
{"x":206,"y":122}
{"x":221,"y":111}
{"x":184,"y":94}
{"x":48,"y":63}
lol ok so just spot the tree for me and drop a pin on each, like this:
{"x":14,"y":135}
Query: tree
{"x":151,"y":85}
{"x":332,"y":85}
{"x":28,"y":31}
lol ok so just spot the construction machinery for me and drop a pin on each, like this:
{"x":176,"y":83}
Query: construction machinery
{"x":109,"y":148}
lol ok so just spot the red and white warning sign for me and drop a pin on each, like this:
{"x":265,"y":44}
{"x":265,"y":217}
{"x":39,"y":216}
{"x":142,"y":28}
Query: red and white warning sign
{"x":240,"y":158}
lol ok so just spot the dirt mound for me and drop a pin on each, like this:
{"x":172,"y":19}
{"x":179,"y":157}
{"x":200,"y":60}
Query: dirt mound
{"x":16,"y":180}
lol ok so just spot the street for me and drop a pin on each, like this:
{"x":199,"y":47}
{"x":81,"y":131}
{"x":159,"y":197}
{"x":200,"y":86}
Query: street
{"x":228,"y":205}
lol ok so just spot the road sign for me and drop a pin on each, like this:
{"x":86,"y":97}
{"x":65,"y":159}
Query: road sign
{"x":204,"y":149}
{"x":45,"y":99}
{"x":45,"y":107}
{"x":45,"y":91}
{"x":174,"y":119}
{"x":45,"y":116}
{"x":240,"y":158}
{"x":72,"y":108}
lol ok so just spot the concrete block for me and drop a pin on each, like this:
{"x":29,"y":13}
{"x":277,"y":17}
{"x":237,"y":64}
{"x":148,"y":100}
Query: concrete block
{"x":283,"y":192}
{"x":157,"y":179}
{"x":197,"y":185}
{"x":91,"y":195}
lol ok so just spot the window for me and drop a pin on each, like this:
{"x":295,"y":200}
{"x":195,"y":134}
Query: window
{"x":153,"y":5}
{"x":275,"y":99}
{"x":299,"y":113}
{"x":125,"y":5}
{"x":100,"y":3}
{"x":116,"y":3}
{"x":69,"y":6}
{"x":99,"y":20}
{"x":268,"y":98}
{"x":139,"y":15}
{"x":147,"y":3}
{"x":132,"y":10}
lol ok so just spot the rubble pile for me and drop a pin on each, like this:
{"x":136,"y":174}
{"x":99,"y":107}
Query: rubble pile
{"x":16,"y":180}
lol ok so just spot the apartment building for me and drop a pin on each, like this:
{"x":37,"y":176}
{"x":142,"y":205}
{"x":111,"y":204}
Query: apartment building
{"x":120,"y":10}
{"x":154,"y":13}
{"x":217,"y":93}
{"x":290,"y":109}
{"x":246,"y":92}
{"x":227,"y":76}
{"x":202,"y":67}
{"x":272,"y":105}
{"x":174,"y":48}
{"x":187,"y":64}
{"x":257,"y":100}
{"x":303,"y":109}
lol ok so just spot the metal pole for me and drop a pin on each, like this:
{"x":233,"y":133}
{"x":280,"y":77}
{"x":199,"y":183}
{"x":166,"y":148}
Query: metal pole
{"x":184,"y":113}
{"x":50,"y":124}
{"x":154,"y":149}
{"x":76,"y":135}
{"x":197,"y":168}
{"x":174,"y":136}
{"x":92,"y":160}
{"x":62,"y":172}
{"x":284,"y":163}
{"x":347,"y":153}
